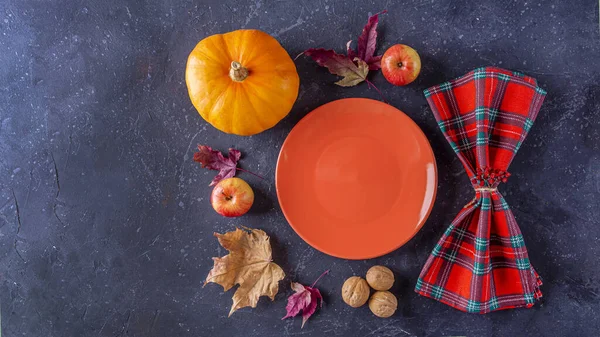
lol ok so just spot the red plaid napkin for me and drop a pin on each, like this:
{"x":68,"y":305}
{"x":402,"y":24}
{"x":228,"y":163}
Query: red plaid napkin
{"x":481,"y":264}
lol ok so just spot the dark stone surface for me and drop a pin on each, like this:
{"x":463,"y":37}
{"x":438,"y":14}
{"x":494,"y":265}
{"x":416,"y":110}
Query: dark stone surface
{"x":105,"y":224}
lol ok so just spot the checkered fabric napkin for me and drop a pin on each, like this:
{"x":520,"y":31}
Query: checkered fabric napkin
{"x":481,"y":264}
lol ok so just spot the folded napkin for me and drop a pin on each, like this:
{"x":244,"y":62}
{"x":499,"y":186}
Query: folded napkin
{"x":481,"y":264}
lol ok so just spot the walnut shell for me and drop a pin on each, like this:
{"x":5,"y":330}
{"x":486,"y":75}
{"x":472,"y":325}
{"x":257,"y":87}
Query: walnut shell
{"x":355,"y":291}
{"x":383,"y":304}
{"x":380,"y":278}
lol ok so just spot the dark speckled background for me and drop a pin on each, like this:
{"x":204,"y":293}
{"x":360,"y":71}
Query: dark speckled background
{"x":105,"y":224}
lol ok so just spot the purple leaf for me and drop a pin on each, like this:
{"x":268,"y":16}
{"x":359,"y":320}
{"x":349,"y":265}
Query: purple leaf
{"x":375,"y":63}
{"x":340,"y":65}
{"x":310,"y":308}
{"x":316,"y":294}
{"x":367,"y":41}
{"x":355,"y":66}
{"x":304,"y":299}
{"x":298,"y":301}
{"x":214,"y":160}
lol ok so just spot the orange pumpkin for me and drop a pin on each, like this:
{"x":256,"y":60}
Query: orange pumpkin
{"x":242,"y":82}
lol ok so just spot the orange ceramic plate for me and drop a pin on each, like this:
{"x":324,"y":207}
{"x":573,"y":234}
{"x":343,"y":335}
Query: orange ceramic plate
{"x":356,"y":178}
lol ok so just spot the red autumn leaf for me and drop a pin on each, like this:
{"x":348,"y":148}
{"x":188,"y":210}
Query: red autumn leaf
{"x":367,"y":43}
{"x":340,"y":65}
{"x":356,"y":65}
{"x":214,"y":160}
{"x":304,"y":299}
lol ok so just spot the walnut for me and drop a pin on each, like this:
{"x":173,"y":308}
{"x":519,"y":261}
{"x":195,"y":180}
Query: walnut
{"x":355,"y":291}
{"x":383,"y":304}
{"x":380,"y":278}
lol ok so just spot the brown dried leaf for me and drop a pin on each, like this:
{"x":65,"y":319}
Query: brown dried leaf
{"x":249,"y":264}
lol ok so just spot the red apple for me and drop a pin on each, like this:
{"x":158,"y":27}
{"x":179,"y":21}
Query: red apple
{"x":232,"y":197}
{"x":400,"y":64}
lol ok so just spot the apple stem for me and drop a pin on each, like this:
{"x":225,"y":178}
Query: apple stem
{"x":252,"y":173}
{"x":318,"y":278}
{"x":370,"y":84}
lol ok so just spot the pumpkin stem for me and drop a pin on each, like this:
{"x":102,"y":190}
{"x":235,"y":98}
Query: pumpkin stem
{"x":237,"y":73}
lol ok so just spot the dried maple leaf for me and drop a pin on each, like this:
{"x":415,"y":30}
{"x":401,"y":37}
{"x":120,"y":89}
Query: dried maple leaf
{"x":340,"y":65}
{"x":305,"y":299}
{"x":214,"y":160}
{"x":367,"y":43}
{"x":356,"y":65}
{"x":249,"y":264}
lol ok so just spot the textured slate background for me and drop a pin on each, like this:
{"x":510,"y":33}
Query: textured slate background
{"x":105,"y":224}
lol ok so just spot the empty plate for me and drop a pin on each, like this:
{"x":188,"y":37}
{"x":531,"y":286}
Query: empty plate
{"x":356,"y":178}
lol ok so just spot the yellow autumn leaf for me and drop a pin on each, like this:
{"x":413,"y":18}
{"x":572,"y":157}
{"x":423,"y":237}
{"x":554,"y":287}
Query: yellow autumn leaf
{"x":354,"y":74}
{"x":249,"y":264}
